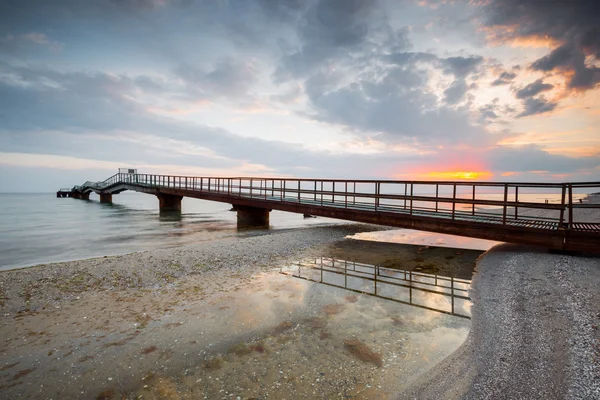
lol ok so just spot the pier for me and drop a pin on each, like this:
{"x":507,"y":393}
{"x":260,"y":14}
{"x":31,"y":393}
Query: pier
{"x":501,"y":211}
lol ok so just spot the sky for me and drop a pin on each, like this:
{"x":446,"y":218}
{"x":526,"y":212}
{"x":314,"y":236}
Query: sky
{"x":498,"y":90}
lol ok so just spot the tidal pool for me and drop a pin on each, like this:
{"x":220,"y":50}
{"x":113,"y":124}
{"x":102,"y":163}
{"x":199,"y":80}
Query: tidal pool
{"x":318,"y":328}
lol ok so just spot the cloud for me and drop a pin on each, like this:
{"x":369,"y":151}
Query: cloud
{"x":488,"y":112}
{"x":462,"y":66}
{"x":400,"y":112}
{"x":533,"y":89}
{"x":533,"y":158}
{"x":572,"y":26}
{"x":17,"y":44}
{"x":537,"y":105}
{"x":456,"y":91}
{"x":337,"y":32}
{"x":228,"y":78}
{"x":505,"y":78}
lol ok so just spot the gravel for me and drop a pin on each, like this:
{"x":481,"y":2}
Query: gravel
{"x":34,"y":288}
{"x":534,"y":334}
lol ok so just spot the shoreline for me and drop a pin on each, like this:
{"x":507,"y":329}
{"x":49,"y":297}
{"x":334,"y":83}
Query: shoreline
{"x":148,"y":310}
{"x":270,"y":231}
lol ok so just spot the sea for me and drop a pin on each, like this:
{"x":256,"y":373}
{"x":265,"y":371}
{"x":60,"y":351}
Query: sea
{"x":41,"y":228}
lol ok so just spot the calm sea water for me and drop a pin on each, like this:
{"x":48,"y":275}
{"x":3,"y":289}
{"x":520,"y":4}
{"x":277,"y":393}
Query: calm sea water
{"x":40,"y":228}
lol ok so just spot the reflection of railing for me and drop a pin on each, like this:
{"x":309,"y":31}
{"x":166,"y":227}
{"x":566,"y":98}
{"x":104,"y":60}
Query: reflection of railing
{"x":460,"y":201}
{"x":390,"y":284}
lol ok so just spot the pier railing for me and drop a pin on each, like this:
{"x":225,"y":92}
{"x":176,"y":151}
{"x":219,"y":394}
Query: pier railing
{"x":413,"y":288}
{"x":525,"y":204}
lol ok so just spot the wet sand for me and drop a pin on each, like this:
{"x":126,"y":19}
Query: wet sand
{"x":144,"y":324}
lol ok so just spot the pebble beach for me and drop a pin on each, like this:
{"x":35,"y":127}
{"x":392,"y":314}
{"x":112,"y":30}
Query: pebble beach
{"x":534,"y":326}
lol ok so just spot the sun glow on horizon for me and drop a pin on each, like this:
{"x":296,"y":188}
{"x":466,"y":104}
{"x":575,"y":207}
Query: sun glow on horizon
{"x":452,"y":175}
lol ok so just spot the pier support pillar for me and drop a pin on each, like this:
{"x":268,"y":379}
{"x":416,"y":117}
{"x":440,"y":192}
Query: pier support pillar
{"x":169,"y":202}
{"x":85,"y":196}
{"x":252,"y":216}
{"x":105,"y":198}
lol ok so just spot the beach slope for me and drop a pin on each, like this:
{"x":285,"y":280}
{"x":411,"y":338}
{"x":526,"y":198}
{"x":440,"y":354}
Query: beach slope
{"x":535,"y":331}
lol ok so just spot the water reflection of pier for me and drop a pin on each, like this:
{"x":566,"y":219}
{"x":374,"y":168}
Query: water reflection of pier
{"x":442,"y":294}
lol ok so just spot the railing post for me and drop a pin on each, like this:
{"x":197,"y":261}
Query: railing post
{"x":346,"y":195}
{"x":410,"y":284}
{"x":375,"y":279}
{"x":376,"y":195}
{"x":437,"y":195}
{"x":298,"y":191}
{"x":251,"y":184}
{"x":473,"y":211}
{"x":562,"y":204}
{"x":333,"y":192}
{"x":315,"y":191}
{"x":321,"y":192}
{"x":345,"y":273}
{"x":516,"y":202}
{"x":570,"y":206}
{"x":411,"y":195}
{"x":453,"y":200}
{"x":452,"y":292}
{"x":283,"y":189}
{"x":505,"y":201}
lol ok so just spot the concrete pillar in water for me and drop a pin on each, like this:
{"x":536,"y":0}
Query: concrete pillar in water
{"x":169,"y":202}
{"x":85,"y":196}
{"x":105,"y":198}
{"x":252,"y":216}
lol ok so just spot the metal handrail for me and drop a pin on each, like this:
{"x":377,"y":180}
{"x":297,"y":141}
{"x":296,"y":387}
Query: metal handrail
{"x":442,"y":198}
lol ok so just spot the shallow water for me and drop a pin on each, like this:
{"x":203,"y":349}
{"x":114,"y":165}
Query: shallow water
{"x":284,"y":337}
{"x":422,"y":238}
{"x":40,"y":228}
{"x":270,"y":335}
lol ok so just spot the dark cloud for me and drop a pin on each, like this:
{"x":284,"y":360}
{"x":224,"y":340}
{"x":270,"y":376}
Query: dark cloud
{"x":505,"y":78}
{"x":533,"y":158}
{"x":574,"y":24}
{"x":462,"y":66}
{"x":533,"y":105}
{"x":228,"y":78}
{"x":399,"y":108}
{"x":456,"y":91}
{"x":489,"y":112}
{"x":533,"y":89}
{"x":410,"y":58}
{"x":338,"y":32}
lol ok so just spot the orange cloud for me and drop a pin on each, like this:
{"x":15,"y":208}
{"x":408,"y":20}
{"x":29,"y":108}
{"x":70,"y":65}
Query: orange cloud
{"x":509,"y":35}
